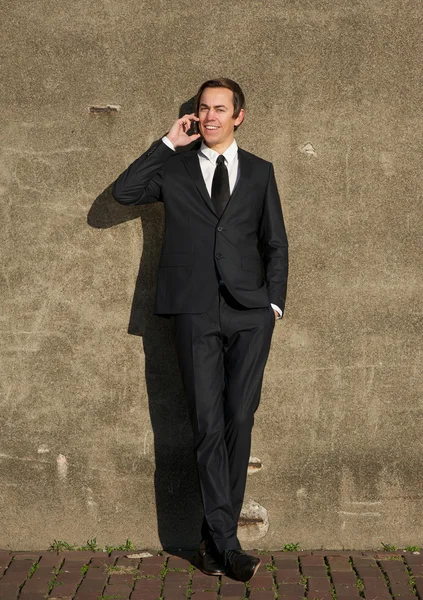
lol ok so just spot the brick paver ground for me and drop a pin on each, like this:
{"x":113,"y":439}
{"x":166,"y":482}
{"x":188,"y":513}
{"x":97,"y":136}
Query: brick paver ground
{"x":317,"y":575}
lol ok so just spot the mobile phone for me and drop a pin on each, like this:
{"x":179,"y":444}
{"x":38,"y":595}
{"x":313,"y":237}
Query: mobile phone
{"x":194,"y":129}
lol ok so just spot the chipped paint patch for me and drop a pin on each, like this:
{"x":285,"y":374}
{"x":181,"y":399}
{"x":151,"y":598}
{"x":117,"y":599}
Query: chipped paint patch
{"x":43,"y":449}
{"x":308,"y":149}
{"x":254,"y":521}
{"x":62,"y":466}
{"x":107,"y":108}
{"x":254,"y":465}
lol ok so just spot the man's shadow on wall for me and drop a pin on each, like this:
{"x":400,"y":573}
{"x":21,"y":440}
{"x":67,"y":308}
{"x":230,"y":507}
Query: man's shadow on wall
{"x":178,"y":501}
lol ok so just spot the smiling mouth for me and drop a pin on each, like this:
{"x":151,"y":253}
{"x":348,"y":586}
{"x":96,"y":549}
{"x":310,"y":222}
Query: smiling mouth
{"x":211,"y":127}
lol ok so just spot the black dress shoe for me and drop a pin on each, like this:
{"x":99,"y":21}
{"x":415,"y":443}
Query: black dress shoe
{"x":240,"y":565}
{"x":210,"y":563}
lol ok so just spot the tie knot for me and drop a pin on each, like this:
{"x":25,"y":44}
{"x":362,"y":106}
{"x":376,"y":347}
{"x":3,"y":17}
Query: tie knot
{"x":220,"y":160}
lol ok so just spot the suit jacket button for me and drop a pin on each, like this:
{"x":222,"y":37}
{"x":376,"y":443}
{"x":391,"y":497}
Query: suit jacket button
{"x":220,"y":229}
{"x":218,"y":256}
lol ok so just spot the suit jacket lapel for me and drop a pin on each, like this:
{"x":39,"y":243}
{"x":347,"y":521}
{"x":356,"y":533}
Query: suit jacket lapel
{"x":192,"y":165}
{"x":245,"y":170}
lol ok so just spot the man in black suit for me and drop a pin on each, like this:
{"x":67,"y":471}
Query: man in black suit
{"x":222,"y":279}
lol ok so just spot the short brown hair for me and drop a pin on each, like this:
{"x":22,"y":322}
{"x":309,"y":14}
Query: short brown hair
{"x":229,"y":84}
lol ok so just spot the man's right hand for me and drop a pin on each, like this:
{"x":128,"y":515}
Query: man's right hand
{"x":178,"y":132}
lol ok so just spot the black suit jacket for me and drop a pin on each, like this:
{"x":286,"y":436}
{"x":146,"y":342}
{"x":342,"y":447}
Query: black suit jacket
{"x":247,"y":247}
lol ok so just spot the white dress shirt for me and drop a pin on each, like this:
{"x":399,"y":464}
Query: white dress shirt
{"x":208,"y":158}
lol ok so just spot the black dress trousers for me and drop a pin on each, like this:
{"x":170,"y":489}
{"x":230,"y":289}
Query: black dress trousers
{"x":222,"y":355}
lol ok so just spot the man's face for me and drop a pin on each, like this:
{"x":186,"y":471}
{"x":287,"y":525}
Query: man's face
{"x":215,"y":112}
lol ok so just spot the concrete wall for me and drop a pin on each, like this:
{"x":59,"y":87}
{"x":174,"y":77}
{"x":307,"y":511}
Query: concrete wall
{"x":95,"y":438}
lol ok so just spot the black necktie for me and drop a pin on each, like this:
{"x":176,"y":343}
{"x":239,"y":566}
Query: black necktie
{"x":220,"y":186}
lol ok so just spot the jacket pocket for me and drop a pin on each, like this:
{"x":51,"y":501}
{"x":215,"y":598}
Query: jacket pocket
{"x":176,"y":259}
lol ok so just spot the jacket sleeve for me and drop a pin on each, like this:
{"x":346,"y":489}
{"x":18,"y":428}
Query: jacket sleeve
{"x":274,"y":244}
{"x":141,"y":182}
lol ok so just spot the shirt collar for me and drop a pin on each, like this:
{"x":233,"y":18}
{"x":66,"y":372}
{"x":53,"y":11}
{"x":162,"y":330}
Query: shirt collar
{"x":212,"y":155}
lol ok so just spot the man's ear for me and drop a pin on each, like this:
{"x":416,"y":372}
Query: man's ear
{"x":240,"y":117}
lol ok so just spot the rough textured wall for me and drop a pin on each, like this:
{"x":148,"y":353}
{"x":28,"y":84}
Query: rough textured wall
{"x":95,"y":438}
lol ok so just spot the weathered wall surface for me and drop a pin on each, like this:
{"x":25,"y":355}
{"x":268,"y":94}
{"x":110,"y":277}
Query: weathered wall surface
{"x":95,"y":439}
